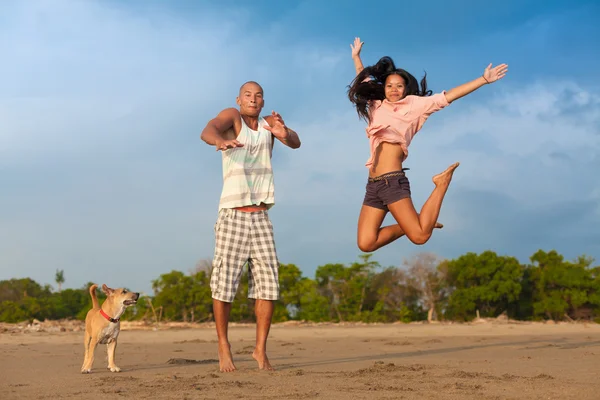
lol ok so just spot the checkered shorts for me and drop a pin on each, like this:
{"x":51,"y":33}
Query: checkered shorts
{"x":244,"y":237}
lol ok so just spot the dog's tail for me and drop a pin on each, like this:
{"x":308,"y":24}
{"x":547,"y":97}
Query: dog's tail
{"x":95,"y":304}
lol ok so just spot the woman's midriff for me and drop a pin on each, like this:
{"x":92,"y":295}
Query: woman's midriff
{"x":388,"y":158}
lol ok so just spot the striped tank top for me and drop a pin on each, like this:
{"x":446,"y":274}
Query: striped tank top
{"x":247,"y":171}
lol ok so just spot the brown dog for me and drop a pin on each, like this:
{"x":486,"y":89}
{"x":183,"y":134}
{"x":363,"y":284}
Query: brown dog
{"x":102,"y":324}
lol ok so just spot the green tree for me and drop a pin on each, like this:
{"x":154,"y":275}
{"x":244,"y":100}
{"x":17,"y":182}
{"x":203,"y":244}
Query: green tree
{"x":11,"y":311}
{"x":562,"y":288}
{"x":17,"y":289}
{"x":290,"y":295}
{"x":59,"y":278}
{"x":172,"y":293}
{"x":391,"y":298}
{"x":331,"y":281}
{"x":347,"y":288}
{"x":69,"y":302}
{"x":485,"y":282}
{"x":313,"y":306}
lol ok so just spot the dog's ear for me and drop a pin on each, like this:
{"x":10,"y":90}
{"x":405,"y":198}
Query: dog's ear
{"x":107,"y":291}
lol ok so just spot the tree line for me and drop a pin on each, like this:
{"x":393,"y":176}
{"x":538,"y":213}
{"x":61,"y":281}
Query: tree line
{"x":423,"y":288}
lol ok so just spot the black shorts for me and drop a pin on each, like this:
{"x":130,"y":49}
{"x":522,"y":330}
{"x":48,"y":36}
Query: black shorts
{"x":386,"y":189}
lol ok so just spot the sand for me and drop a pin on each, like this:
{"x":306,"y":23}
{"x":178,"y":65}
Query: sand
{"x":392,"y":361}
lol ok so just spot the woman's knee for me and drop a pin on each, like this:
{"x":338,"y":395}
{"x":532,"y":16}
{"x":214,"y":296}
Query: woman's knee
{"x":366,"y":245}
{"x":419,"y":238}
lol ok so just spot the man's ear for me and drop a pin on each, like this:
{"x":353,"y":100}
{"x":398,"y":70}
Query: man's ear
{"x":237,"y":101}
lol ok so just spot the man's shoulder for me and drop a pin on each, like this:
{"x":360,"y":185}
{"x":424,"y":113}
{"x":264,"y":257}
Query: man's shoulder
{"x":231,"y":111}
{"x":229,"y":116}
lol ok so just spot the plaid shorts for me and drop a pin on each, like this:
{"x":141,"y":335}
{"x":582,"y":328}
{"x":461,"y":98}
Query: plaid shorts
{"x":244,"y":237}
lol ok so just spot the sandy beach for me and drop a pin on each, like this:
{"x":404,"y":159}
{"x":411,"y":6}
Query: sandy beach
{"x":485,"y":360}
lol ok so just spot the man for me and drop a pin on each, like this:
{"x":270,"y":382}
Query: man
{"x":243,"y":230}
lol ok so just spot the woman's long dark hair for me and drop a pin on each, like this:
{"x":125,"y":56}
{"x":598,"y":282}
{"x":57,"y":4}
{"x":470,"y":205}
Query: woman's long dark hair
{"x":360,"y":93}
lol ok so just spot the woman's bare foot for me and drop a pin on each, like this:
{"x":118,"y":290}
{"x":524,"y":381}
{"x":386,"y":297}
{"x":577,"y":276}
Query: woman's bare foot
{"x":225,"y":358}
{"x":445,"y":177}
{"x":263,"y":361}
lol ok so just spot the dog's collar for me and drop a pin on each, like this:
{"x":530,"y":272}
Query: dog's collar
{"x":105,"y":315}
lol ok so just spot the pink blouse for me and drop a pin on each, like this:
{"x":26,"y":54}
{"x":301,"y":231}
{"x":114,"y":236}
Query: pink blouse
{"x":399,"y":122}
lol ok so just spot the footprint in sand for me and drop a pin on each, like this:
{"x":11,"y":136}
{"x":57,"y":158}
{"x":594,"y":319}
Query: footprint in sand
{"x":184,"y":361}
{"x":195,"y":341}
{"x":245,"y":350}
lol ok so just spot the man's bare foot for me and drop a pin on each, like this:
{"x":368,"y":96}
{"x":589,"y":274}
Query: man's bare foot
{"x":445,"y":177}
{"x":225,"y":358}
{"x":263,"y":361}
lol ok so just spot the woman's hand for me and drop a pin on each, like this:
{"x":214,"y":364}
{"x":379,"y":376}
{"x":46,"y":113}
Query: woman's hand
{"x":356,"y":47}
{"x":493,"y":74}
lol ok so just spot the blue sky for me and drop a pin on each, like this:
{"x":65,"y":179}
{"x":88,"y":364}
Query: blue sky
{"x":103,"y":173}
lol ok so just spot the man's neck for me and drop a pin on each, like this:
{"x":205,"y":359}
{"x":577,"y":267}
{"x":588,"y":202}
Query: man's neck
{"x":251,"y":121}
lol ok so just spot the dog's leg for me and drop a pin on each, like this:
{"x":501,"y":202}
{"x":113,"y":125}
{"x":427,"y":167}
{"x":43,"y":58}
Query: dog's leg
{"x":88,"y":359}
{"x":93,"y":344}
{"x":111,"y":348}
{"x":86,"y":345}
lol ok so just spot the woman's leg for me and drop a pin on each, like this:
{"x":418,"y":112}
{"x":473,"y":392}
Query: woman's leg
{"x":371,"y":236}
{"x":418,"y":227}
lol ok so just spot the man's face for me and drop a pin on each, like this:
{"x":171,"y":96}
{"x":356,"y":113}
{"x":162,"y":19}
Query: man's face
{"x":251,"y":100}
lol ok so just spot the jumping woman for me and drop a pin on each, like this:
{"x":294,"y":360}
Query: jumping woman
{"x":395,"y":107}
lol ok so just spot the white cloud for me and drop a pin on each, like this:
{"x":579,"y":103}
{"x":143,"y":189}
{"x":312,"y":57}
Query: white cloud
{"x":84,"y":71}
{"x":535,"y":151}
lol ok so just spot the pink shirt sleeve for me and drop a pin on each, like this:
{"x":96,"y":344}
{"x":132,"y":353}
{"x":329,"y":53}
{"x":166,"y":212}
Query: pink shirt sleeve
{"x":427,"y":105}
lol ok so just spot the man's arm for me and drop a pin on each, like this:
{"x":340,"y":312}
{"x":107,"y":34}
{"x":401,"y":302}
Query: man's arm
{"x":279,"y":130}
{"x":489,"y":75}
{"x":292,"y":139}
{"x":358,"y":65}
{"x":214,"y":129}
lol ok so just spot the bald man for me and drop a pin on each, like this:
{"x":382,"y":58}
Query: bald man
{"x":243,"y":231}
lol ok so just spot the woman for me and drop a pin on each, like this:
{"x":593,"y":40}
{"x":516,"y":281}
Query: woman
{"x":396,"y":107}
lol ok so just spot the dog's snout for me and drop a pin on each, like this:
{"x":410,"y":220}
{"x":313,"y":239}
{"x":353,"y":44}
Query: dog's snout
{"x":137,"y":296}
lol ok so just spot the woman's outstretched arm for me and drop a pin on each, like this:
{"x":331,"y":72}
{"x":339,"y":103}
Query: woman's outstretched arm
{"x":489,"y":75}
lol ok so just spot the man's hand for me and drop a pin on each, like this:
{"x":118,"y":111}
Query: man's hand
{"x":277,"y":128}
{"x":356,"y":48}
{"x":227,"y":144}
{"x":493,"y":74}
